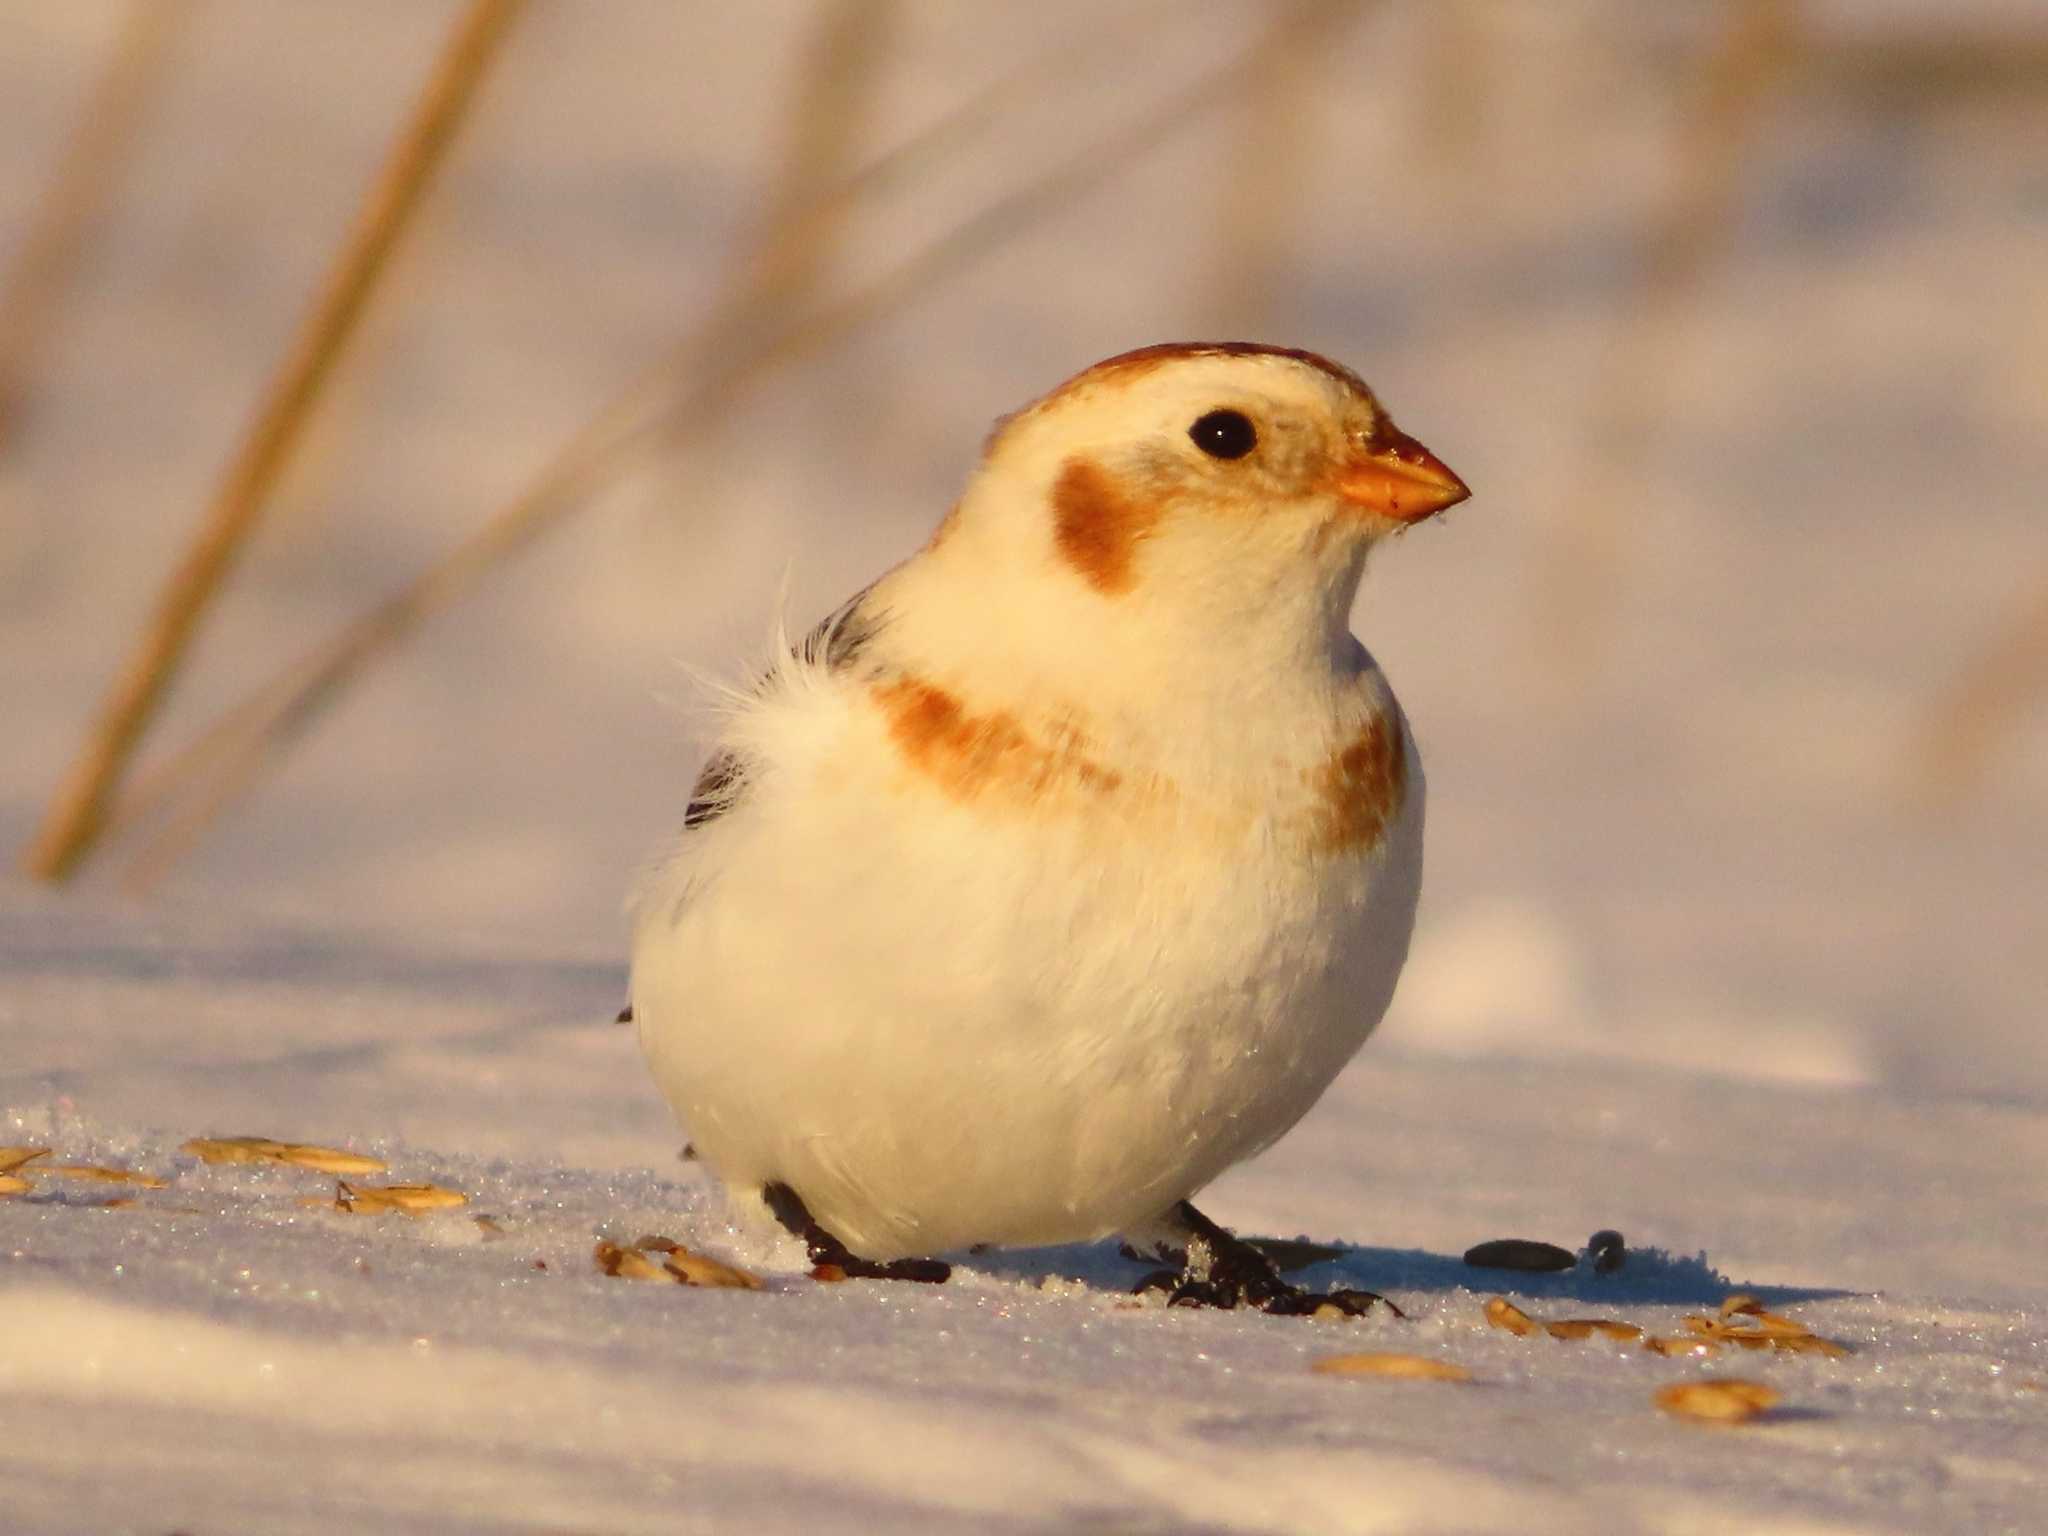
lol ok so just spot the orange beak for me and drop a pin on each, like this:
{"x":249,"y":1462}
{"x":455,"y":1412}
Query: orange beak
{"x":1399,"y":479}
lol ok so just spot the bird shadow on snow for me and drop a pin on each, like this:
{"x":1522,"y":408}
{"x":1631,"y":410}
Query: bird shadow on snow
{"x":1648,"y":1276}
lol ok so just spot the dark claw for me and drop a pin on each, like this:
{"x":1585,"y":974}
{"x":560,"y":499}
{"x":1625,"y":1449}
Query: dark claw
{"x":1235,"y":1273}
{"x":1347,"y":1302}
{"x":832,"y":1259}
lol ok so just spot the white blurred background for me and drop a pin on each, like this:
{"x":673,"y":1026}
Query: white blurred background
{"x":1730,"y":679}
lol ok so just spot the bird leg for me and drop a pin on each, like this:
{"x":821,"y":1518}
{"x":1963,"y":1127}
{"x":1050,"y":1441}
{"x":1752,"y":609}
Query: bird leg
{"x":1225,"y":1271}
{"x":825,"y":1249}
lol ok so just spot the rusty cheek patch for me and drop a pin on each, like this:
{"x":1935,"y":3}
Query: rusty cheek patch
{"x":1360,"y":788}
{"x":972,"y":756}
{"x":1097,"y":526}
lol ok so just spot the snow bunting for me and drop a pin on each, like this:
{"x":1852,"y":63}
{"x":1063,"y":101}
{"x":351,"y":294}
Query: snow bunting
{"x":1065,"y":865}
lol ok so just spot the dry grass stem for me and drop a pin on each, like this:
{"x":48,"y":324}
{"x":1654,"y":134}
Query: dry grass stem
{"x":1983,"y":706}
{"x":77,"y":814}
{"x":87,"y":175}
{"x":780,"y":270}
{"x":677,"y":389}
{"x":1586,"y":558}
{"x":1265,"y":190}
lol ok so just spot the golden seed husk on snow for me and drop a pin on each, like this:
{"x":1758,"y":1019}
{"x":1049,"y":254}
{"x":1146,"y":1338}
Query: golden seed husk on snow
{"x":1761,"y":1330}
{"x":1809,"y":1344}
{"x":1389,"y":1363}
{"x":1691,"y":1344}
{"x":1770,"y":1322}
{"x":1503,"y":1313}
{"x":627,"y":1263}
{"x":12,"y":1158}
{"x":1586,"y":1327}
{"x":11,"y":1185}
{"x":713,"y":1274}
{"x":261,"y":1149}
{"x":102,"y":1175}
{"x":410,"y":1198}
{"x":1740,"y":1301}
{"x":1725,"y":1400}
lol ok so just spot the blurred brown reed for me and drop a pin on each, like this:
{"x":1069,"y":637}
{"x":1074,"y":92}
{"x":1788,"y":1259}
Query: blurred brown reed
{"x":1963,"y":730}
{"x":78,"y":811}
{"x":693,"y":381}
{"x":87,"y":175}
{"x":1717,"y":133}
{"x":1264,"y":191}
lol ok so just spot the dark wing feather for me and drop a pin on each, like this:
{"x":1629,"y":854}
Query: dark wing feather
{"x":836,"y":642}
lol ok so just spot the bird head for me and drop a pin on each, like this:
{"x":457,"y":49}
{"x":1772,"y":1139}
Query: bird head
{"x":1207,"y":493}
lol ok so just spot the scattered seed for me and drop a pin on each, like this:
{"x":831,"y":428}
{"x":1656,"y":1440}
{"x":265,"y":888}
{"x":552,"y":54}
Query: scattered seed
{"x":1809,"y":1344}
{"x":103,"y":1175}
{"x":1607,"y":1251}
{"x":410,"y":1198}
{"x":827,"y":1274}
{"x":12,"y":1158}
{"x":627,"y":1263}
{"x":1387,"y":1363}
{"x":261,"y":1149}
{"x":1694,"y":1346}
{"x":1503,"y":1313}
{"x":1519,"y":1253}
{"x":1770,"y":1322}
{"x":1740,"y":1302}
{"x":1746,"y":1338}
{"x":490,"y":1226}
{"x":1586,"y":1327}
{"x":1725,"y":1400}
{"x":656,"y":1244}
{"x":12,"y":1185}
{"x":701,"y":1269}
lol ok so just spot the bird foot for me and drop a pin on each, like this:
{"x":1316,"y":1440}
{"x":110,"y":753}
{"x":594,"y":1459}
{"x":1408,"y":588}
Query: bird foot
{"x":848,"y":1266}
{"x":833,"y":1260}
{"x":1225,"y":1271}
{"x":1278,"y":1299}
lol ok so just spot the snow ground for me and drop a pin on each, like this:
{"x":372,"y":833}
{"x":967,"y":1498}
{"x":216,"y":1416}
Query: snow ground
{"x":215,"y":1357}
{"x":1695,"y":961}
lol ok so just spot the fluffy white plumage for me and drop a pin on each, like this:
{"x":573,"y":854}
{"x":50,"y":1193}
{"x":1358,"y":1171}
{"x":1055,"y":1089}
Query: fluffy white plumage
{"x":1075,"y":861}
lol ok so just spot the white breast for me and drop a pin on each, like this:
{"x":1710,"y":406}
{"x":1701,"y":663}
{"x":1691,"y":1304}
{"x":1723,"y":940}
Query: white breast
{"x":947,"y":1018}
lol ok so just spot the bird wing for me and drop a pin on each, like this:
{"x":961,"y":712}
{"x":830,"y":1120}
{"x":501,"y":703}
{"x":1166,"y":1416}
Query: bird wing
{"x":833,"y":643}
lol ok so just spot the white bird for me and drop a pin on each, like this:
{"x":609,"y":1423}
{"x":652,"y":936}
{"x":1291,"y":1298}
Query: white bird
{"x":1067,"y":864}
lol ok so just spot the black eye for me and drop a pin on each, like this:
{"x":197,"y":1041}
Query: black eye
{"x":1224,"y":434}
